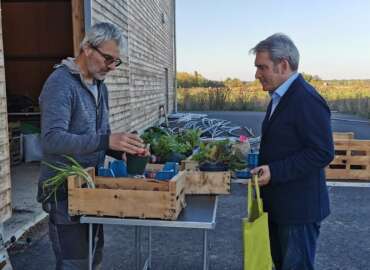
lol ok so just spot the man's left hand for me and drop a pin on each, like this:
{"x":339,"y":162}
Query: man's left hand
{"x":264,"y":175}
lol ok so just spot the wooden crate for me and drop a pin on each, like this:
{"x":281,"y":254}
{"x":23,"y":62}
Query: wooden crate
{"x":199,"y":182}
{"x":16,"y":150}
{"x":352,"y":160}
{"x":127,"y":197}
{"x":15,"y":142}
{"x":189,"y":165}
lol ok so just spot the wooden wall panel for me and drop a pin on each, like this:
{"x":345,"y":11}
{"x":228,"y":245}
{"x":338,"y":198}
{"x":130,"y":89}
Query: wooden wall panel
{"x":77,"y":24}
{"x":5,"y":195}
{"x":138,"y":88}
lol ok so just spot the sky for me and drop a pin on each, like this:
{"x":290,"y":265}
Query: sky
{"x":214,"y":37}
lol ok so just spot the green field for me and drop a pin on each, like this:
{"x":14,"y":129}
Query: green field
{"x":348,"y":96}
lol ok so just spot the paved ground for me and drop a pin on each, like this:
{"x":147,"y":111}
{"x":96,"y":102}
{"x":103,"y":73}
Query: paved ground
{"x":26,"y":210}
{"x":344,"y":242}
{"x":340,"y":122}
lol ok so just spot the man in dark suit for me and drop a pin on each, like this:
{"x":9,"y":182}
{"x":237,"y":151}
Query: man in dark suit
{"x":296,"y":146}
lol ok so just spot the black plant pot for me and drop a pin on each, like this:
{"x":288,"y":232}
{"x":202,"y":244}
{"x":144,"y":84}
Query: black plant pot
{"x":213,"y":166}
{"x":136,"y":164}
{"x":175,"y":157}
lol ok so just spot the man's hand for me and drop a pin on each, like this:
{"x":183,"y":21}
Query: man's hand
{"x":264,"y":175}
{"x":126,"y":142}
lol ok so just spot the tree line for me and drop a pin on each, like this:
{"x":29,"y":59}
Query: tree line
{"x":197,"y":80}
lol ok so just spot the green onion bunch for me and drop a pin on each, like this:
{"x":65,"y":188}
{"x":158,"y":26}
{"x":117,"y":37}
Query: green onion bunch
{"x":54,"y":183}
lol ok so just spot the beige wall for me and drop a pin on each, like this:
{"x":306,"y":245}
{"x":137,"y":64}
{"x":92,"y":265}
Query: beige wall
{"x":5,"y":192}
{"x":139,"y":87}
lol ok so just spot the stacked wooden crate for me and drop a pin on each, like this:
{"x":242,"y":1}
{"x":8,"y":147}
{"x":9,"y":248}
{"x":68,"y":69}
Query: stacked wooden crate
{"x":203,"y":182}
{"x":352,"y":158}
{"x":15,"y":143}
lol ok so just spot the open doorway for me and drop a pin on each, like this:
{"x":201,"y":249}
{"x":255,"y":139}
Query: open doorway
{"x":37,"y":34}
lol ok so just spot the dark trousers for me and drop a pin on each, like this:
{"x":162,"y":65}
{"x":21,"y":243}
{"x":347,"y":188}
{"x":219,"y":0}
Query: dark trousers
{"x":70,"y":239}
{"x":293,"y":246}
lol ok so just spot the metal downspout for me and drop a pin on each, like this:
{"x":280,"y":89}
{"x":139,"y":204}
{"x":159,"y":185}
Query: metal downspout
{"x":87,"y":15}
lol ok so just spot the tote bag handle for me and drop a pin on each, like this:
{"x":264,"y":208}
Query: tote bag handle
{"x":258,"y":196}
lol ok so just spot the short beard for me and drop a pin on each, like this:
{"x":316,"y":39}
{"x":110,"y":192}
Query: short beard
{"x":99,"y":77}
{"x":95,"y":75}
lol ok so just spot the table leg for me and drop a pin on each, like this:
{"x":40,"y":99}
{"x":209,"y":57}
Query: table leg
{"x":90,"y":246}
{"x":150,"y":248}
{"x":138,"y":246}
{"x":205,"y":250}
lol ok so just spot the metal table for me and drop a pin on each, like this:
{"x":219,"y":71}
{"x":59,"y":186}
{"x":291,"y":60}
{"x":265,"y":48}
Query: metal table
{"x":199,"y":213}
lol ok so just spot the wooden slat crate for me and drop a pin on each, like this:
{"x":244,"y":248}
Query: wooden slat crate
{"x":189,"y":165}
{"x":15,"y":142}
{"x":15,"y":150}
{"x":352,"y":160}
{"x":199,"y":182}
{"x":343,"y":135}
{"x":202,"y":182}
{"x":127,"y":197}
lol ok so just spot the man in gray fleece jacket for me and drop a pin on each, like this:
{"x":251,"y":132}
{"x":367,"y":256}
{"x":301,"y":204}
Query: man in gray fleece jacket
{"x":75,"y":122}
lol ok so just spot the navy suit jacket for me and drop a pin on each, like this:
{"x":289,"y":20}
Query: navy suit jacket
{"x":297,"y":144}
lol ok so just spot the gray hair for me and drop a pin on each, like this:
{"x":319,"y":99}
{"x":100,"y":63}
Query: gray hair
{"x":279,"y":46}
{"x":101,"y":32}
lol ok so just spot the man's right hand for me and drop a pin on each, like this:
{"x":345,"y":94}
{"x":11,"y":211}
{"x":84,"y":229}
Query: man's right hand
{"x":126,"y":142}
{"x":264,"y":174}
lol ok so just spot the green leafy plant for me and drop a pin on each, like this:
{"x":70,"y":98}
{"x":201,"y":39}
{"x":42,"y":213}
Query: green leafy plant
{"x":153,"y":133}
{"x":219,"y":152}
{"x":63,"y":171}
{"x":166,"y":145}
{"x":190,"y":136}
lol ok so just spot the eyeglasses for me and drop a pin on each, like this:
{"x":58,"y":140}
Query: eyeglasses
{"x":108,"y":59}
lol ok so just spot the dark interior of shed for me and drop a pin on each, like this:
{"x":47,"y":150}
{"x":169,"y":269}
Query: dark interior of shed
{"x":36,"y":36}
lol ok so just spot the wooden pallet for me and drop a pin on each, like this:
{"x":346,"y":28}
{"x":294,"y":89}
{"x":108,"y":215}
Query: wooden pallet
{"x":351,"y":161}
{"x":127,"y":197}
{"x":343,"y":136}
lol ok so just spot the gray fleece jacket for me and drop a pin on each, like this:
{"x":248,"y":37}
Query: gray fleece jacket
{"x":73,"y":122}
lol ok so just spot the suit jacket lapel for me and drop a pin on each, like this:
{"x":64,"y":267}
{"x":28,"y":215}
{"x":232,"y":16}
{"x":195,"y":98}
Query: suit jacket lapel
{"x":282,"y":104}
{"x":267,"y":116}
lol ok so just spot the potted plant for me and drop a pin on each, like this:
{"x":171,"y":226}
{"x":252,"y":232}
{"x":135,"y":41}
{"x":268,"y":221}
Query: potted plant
{"x":218,"y":156}
{"x":136,"y":163}
{"x":168,"y":147}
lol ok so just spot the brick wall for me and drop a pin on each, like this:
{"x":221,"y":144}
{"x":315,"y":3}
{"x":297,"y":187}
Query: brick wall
{"x":139,"y":87}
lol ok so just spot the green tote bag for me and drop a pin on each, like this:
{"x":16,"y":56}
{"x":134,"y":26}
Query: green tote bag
{"x":257,"y":253}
